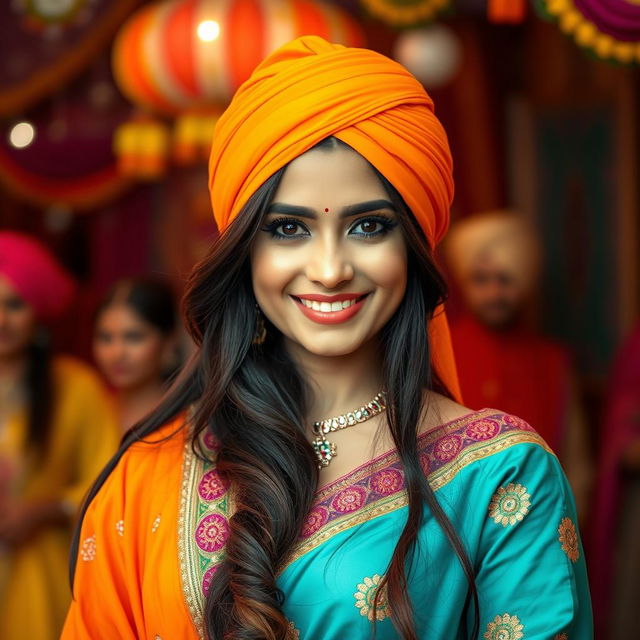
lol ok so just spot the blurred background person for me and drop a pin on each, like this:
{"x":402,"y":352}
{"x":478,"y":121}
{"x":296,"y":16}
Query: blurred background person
{"x":135,"y":344}
{"x":615,"y":557}
{"x":495,"y":258}
{"x":57,"y":430}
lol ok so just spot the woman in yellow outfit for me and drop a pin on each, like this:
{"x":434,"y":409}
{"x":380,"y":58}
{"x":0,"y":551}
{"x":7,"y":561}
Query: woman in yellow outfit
{"x":57,"y":429}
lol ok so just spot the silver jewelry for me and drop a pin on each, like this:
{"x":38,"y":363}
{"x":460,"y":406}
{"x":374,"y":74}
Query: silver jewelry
{"x":326,"y":450}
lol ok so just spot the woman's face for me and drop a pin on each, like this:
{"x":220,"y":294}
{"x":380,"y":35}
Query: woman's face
{"x":329,"y":263}
{"x":129,"y":351}
{"x":17,"y":322}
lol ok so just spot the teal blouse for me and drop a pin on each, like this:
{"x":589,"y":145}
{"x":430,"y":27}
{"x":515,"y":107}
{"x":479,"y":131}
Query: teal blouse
{"x":508,"y":499}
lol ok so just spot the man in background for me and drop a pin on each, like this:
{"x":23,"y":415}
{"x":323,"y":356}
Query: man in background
{"x":502,"y":362}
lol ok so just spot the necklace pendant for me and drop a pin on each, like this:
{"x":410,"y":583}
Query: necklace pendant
{"x":325,"y":451}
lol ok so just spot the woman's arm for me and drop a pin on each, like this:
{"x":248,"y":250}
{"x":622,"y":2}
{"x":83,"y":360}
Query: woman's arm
{"x":531,"y":572}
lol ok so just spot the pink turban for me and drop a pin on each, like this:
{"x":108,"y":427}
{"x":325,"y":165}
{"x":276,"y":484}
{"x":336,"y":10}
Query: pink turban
{"x":35,"y":275}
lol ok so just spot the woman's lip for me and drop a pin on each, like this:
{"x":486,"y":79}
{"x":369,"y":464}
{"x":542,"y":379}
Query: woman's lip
{"x":119,"y":370}
{"x":330,"y":317}
{"x":338,"y":297}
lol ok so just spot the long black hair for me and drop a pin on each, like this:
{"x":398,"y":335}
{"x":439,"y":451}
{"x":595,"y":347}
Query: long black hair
{"x":254,"y":400}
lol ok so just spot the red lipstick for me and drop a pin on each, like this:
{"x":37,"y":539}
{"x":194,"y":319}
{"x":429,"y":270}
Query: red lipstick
{"x":338,"y":297}
{"x":331,"y":317}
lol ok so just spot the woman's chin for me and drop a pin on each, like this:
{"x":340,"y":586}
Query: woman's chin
{"x":326,"y":346}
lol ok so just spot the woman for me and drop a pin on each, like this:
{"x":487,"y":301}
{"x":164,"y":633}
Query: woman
{"x":135,"y":344}
{"x":56,"y":433}
{"x":323,"y":483}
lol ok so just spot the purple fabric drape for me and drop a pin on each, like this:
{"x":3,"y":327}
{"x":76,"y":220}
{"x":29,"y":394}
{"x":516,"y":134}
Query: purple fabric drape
{"x":618,"y":18}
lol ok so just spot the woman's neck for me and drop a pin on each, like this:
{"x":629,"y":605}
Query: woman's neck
{"x":340,"y":383}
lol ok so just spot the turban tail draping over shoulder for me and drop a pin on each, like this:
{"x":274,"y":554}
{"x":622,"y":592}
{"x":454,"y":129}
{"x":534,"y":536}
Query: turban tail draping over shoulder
{"x":309,"y":90}
{"x":35,"y":275}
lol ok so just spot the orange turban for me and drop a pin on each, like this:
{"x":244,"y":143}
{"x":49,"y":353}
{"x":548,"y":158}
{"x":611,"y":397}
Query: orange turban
{"x":309,"y":90}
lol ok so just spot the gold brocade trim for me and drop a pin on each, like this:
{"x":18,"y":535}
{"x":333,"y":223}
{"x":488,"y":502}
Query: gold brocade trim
{"x":437,"y":480}
{"x":186,"y":555}
{"x":192,"y":510}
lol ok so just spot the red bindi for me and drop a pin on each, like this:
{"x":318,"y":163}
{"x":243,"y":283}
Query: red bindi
{"x":326,"y":210}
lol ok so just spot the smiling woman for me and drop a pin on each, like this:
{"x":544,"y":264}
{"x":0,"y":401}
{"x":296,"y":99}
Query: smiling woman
{"x":325,"y":481}
{"x":135,"y":345}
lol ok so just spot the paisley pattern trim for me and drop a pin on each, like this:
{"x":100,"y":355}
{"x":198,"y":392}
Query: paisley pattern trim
{"x":373,"y":489}
{"x":205,"y":507}
{"x":377,"y":488}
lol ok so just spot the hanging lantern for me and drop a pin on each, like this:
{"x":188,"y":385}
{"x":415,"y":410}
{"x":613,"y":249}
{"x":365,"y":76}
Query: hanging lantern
{"x":192,"y":136}
{"x":405,"y":13}
{"x":610,"y":29}
{"x":141,"y":147}
{"x":184,"y":54}
{"x":432,"y":54}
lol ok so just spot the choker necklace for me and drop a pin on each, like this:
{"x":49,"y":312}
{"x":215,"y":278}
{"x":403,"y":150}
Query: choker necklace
{"x":325,"y":450}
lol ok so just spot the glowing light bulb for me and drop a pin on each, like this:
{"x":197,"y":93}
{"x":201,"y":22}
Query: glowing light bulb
{"x":22,"y":135}
{"x":208,"y":30}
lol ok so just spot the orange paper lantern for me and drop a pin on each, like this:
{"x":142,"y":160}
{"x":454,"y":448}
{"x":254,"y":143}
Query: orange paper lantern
{"x":192,"y":136}
{"x":184,"y":54}
{"x":141,"y":147}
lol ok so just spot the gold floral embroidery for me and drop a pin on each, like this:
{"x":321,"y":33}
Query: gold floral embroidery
{"x":120,"y":527}
{"x":88,"y":549}
{"x":438,"y":478}
{"x":569,"y":539}
{"x":504,"y":627}
{"x":293,"y":633}
{"x":561,"y":636}
{"x":509,"y":504}
{"x":156,"y":524}
{"x":365,"y":597}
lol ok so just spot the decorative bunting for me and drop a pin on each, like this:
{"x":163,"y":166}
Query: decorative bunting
{"x":610,"y":29}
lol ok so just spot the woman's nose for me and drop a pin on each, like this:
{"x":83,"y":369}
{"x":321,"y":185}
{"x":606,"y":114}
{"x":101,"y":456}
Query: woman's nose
{"x":329,"y":264}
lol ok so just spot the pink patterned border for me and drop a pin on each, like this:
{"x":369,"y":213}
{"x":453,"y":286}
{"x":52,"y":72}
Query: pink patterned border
{"x":383,"y":478}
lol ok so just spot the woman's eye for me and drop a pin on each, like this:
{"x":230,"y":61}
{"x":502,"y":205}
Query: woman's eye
{"x":368,"y":226}
{"x":289,"y":228}
{"x":285,"y":228}
{"x":16,"y":304}
{"x":373,"y":226}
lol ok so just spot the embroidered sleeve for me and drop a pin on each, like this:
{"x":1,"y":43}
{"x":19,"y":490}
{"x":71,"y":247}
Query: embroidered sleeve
{"x":531,"y":574}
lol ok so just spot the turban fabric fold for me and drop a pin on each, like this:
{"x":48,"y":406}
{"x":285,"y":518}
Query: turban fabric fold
{"x":309,"y":90}
{"x":35,"y":275}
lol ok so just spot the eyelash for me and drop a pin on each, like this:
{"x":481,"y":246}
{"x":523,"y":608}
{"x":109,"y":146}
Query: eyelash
{"x":387,"y":223}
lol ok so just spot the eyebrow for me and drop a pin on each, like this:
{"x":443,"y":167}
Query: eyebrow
{"x":349,"y":210}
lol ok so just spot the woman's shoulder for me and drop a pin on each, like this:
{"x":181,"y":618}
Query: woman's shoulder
{"x":489,"y":440}
{"x":154,"y":459}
